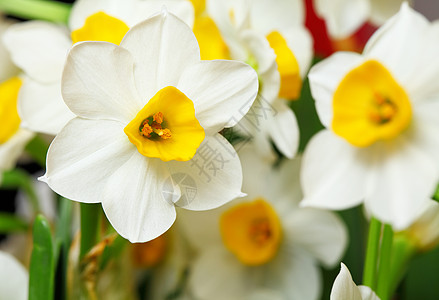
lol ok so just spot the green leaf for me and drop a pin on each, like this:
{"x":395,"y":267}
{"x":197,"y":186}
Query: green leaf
{"x":37,"y":9}
{"x":112,"y":251}
{"x":19,"y":179}
{"x":11,"y":223}
{"x":42,"y":264}
{"x":37,"y":148}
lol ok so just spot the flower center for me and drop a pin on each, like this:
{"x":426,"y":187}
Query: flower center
{"x":8,"y":108}
{"x":287,"y":65}
{"x":251,"y":231}
{"x":101,"y":27}
{"x":166,"y":127}
{"x":369,"y":105}
{"x":152,"y":128}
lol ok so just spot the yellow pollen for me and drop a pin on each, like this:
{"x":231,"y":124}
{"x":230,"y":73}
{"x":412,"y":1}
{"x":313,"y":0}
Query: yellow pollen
{"x":251,"y":231}
{"x":146,"y":130}
{"x":369,"y":105}
{"x":158,"y":118}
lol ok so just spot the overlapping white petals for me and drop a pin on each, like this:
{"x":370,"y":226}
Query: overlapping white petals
{"x":158,"y":59}
{"x":98,"y":82}
{"x":222,"y":97}
{"x":8,"y":69}
{"x":215,"y":173}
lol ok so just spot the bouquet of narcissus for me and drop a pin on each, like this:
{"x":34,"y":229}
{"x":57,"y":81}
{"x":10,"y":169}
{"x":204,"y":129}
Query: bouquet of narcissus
{"x":219,"y":149}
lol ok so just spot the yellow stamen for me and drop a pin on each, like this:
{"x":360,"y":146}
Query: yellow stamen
{"x":101,"y":27}
{"x":8,"y":108}
{"x":252,"y":232}
{"x":287,"y":65}
{"x":369,"y":105}
{"x":179,"y":134}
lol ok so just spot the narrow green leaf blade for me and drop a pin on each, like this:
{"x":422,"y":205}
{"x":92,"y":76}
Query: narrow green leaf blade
{"x":42,"y":264}
{"x":11,"y":223}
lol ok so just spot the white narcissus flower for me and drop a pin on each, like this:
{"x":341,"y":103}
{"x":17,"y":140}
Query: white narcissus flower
{"x":148,"y":116}
{"x":272,"y":39}
{"x":13,"y":139}
{"x":344,"y":17}
{"x":263,"y":246}
{"x":14,"y":278}
{"x":344,"y":288}
{"x":40,"y":50}
{"x":379,"y":108}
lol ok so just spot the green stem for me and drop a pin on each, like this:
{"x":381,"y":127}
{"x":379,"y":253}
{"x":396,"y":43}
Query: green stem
{"x":384,"y":268}
{"x":371,"y":261}
{"x":37,"y":9}
{"x":403,"y":251}
{"x":18,"y":178}
{"x":90,"y":221}
{"x":37,"y":148}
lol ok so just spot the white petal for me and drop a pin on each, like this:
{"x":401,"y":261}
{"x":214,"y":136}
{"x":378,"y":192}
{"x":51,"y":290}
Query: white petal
{"x":367,"y":293}
{"x":410,"y":31}
{"x":266,"y":17}
{"x":324,"y":79}
{"x":39,"y":48}
{"x":41,"y":107}
{"x":381,"y":11}
{"x":82,"y":157}
{"x":135,"y":202}
{"x":344,"y":287}
{"x":12,"y":148}
{"x":8,"y":69}
{"x":162,"y":47}
{"x":217,"y":274}
{"x":98,"y":82}
{"x":293,"y":272}
{"x":14,"y":278}
{"x":284,"y":130}
{"x":333,"y":173}
{"x":320,"y":232}
{"x":404,"y":177}
{"x":211,"y":178}
{"x":343,"y":17}
{"x":222,"y":91}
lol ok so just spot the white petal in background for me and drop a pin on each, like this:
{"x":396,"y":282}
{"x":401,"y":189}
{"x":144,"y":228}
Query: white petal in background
{"x":321,"y":233}
{"x":14,"y":278}
{"x":41,"y":107}
{"x":98,"y":82}
{"x":334,"y":173}
{"x":39,"y":48}
{"x":161,"y":51}
{"x":8,"y":69}
{"x":222,"y":92}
